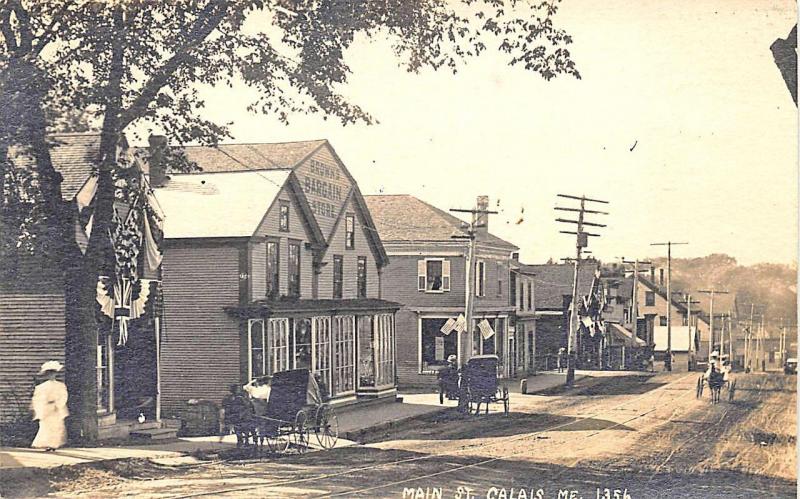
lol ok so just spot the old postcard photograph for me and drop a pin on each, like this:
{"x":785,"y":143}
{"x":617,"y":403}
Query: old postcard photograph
{"x":412,"y":249}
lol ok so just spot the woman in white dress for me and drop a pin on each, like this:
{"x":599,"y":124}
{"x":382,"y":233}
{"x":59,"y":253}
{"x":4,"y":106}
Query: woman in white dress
{"x":49,"y":405}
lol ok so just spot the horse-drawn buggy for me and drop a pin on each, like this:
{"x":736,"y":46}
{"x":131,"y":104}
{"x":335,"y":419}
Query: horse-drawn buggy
{"x":718,"y":379}
{"x":296,"y":407}
{"x":475,"y":384}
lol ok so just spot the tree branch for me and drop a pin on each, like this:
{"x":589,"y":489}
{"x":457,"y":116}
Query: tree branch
{"x":211,"y":17}
{"x":5,"y":27}
{"x":50,"y":32}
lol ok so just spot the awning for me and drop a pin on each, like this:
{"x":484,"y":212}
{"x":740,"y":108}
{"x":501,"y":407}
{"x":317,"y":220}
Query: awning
{"x":625,"y":336}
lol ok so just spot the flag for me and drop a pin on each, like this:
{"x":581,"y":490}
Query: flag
{"x":448,"y":326}
{"x":461,"y":324}
{"x":486,"y":329}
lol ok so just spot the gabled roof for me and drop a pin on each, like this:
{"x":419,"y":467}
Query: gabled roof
{"x":203,"y":205}
{"x":74,"y":155}
{"x":260,"y":156}
{"x":402,"y":217}
{"x":553,"y":281}
{"x":663,"y":293}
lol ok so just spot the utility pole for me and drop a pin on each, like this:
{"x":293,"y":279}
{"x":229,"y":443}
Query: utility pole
{"x":687,"y":300}
{"x":582,"y":241}
{"x":748,"y":343}
{"x":469,"y":305}
{"x":712,"y":292}
{"x":669,"y":245}
{"x":635,"y":310}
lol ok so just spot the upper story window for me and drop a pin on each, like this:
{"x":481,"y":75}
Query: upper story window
{"x":521,"y":295}
{"x":499,"y":279}
{"x":294,"y":268}
{"x":480,"y":279}
{"x":433,"y":275}
{"x":662,"y":320}
{"x":649,"y":298}
{"x":338,"y":274}
{"x":530,"y":296}
{"x":273,"y":270}
{"x":362,"y":277}
{"x":350,"y":231}
{"x":283,"y":222}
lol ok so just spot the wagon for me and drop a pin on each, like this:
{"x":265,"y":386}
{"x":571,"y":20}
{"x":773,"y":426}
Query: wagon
{"x":480,"y":385}
{"x":716,"y":382}
{"x":295,"y":409}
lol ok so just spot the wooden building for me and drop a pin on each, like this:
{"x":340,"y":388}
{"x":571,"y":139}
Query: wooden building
{"x":522,"y":297}
{"x":428,"y":273}
{"x":553,"y":285}
{"x":271,"y":262}
{"x":33,"y":322}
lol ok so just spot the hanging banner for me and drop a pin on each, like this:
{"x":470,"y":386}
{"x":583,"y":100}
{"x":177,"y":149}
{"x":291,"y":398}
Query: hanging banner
{"x":486,"y":329}
{"x":461,"y":324}
{"x":448,"y":326}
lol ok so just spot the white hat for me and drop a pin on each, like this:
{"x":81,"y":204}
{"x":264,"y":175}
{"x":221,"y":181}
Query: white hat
{"x":51,"y":365}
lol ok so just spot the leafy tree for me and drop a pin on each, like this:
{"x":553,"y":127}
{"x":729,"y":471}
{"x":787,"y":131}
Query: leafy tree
{"x":127,"y":62}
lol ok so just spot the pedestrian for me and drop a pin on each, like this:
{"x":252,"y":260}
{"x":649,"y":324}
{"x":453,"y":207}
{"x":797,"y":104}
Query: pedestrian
{"x":49,"y":406}
{"x":560,"y":360}
{"x":259,"y":390}
{"x":652,"y":363}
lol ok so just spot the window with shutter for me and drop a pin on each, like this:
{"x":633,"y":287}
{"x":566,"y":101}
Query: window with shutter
{"x":446,"y":275}
{"x":421,"y":275}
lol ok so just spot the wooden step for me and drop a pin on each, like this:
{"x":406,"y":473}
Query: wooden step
{"x":147,"y":425}
{"x":154,"y":434}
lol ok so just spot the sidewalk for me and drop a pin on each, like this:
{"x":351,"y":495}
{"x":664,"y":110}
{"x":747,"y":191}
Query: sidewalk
{"x":352,"y":421}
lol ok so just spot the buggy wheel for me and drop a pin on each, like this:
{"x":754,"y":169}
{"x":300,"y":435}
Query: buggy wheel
{"x":326,"y":427}
{"x":277,"y":444}
{"x":731,"y":390}
{"x":300,"y":431}
{"x":506,"y":401}
{"x":699,"y":387}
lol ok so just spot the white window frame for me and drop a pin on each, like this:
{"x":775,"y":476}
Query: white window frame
{"x":422,"y":275}
{"x":420,"y":318}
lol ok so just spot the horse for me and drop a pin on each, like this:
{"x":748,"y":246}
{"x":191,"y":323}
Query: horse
{"x":716,"y":380}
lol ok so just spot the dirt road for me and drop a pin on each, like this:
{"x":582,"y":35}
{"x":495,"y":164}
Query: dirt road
{"x":630,"y":437}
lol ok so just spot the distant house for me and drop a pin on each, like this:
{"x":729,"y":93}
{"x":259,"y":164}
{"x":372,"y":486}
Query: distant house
{"x":271,"y":262}
{"x":553,"y":285}
{"x":622,"y":348}
{"x":428,"y":272}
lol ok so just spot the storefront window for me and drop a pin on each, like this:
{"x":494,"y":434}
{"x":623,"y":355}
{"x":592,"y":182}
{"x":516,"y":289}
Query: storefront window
{"x":366,"y":352}
{"x":103,"y":369}
{"x":385,"y":349}
{"x":279,"y":344}
{"x":302,"y":344}
{"x":436,"y":346}
{"x":322,"y":351}
{"x":344,"y":349}
{"x":258,"y":365}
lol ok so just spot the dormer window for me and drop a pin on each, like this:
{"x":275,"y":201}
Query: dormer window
{"x":350,"y":231}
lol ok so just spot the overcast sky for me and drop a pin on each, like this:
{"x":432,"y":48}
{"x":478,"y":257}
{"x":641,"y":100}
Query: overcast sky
{"x":691,"y":83}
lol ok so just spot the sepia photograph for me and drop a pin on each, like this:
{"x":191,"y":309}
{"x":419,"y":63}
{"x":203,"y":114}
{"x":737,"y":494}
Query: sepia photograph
{"x":412,"y":249}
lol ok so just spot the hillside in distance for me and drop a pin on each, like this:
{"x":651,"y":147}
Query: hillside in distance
{"x":772,"y":285}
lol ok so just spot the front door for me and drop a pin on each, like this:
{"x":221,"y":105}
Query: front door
{"x":366,"y":351}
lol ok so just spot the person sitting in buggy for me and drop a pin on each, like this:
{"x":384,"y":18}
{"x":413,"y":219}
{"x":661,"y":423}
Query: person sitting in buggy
{"x":238,"y":414}
{"x":448,"y":380}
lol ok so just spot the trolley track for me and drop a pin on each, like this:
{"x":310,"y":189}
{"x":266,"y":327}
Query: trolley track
{"x":660,"y":392}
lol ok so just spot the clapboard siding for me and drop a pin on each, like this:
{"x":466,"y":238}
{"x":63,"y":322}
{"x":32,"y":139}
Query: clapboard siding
{"x":32,"y":329}
{"x":407,"y":344}
{"x":400,"y":283}
{"x":258,"y":269}
{"x":298,"y":231}
{"x":361,"y":247}
{"x":338,"y":180}
{"x":200,"y":349}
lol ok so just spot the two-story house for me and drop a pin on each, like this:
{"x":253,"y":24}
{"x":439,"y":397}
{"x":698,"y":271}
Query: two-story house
{"x":428,"y":274}
{"x":271,"y":262}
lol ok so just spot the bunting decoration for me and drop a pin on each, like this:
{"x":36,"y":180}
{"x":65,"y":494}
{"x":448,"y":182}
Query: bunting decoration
{"x":486,"y":329}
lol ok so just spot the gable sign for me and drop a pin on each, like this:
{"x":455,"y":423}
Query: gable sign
{"x":325,"y":186}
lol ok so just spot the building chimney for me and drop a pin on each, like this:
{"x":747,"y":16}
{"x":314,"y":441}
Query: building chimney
{"x":156,"y":163}
{"x":482,"y":220}
{"x":661,"y":277}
